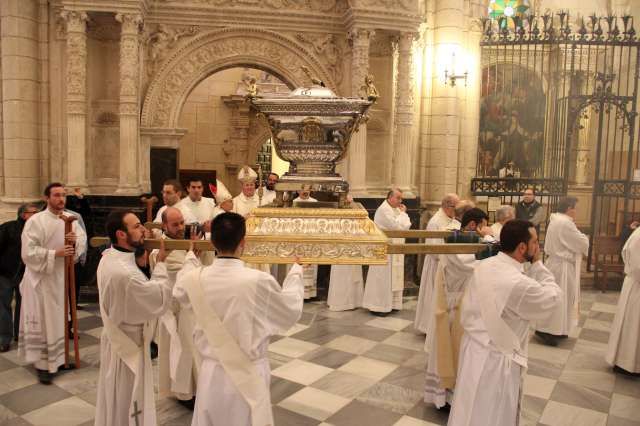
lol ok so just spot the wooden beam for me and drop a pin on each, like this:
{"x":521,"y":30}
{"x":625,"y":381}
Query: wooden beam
{"x":421,"y":233}
{"x":435,"y":248}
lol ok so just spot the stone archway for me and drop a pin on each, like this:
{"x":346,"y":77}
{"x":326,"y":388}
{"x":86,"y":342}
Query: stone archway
{"x":217,"y":50}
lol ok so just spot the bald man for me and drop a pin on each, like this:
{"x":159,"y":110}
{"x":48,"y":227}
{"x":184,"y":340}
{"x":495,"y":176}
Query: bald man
{"x":444,"y":219}
{"x":177,"y":365}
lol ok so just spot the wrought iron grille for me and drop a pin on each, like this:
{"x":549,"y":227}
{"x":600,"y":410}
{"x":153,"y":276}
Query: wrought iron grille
{"x":559,"y":113}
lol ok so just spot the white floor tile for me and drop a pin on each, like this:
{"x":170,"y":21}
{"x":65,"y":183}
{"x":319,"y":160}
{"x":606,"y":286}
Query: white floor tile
{"x":314,"y":403}
{"x":68,"y":412}
{"x":301,"y":372}
{"x":351,"y":344}
{"x":558,"y":414}
{"x":369,"y":368}
{"x":293,"y":348}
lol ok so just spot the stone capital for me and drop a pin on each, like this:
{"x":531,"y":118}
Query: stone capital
{"x":405,"y":41}
{"x":360,"y":36}
{"x":76,"y":21}
{"x":131,"y":23}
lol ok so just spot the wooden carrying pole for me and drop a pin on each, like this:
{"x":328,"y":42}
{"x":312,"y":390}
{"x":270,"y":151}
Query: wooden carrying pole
{"x":205,"y":245}
{"x":70,"y":293}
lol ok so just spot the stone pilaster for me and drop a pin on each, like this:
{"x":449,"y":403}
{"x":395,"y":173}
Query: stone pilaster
{"x":129,"y":104}
{"x":360,"y":40}
{"x":20,"y":55}
{"x":76,"y":56}
{"x":444,"y":120}
{"x":470,"y":121}
{"x":403,"y":146}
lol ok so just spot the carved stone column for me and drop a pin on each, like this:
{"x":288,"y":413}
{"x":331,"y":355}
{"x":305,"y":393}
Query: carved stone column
{"x":403,"y":147}
{"x":359,"y":40}
{"x":129,"y":103}
{"x":76,"y":98}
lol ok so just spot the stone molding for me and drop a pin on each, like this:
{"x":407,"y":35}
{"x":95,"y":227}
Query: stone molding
{"x":215,"y":50}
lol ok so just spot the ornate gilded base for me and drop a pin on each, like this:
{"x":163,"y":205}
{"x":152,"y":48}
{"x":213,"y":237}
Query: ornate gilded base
{"x":316,"y":235}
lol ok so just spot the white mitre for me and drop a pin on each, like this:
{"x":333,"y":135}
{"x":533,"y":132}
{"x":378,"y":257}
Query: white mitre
{"x":222,"y":194}
{"x":247,"y":174}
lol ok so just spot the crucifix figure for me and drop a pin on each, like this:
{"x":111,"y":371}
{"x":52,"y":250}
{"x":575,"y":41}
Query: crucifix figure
{"x":136,"y":412}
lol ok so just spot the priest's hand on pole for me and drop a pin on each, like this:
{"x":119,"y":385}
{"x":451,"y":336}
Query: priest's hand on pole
{"x":67,"y":250}
{"x":71,"y":237}
{"x":162,"y":253}
{"x":192,"y":248}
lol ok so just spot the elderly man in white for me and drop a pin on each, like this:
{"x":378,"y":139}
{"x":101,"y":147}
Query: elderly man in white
{"x":503,"y":215}
{"x":385,"y":283}
{"x":444,"y":219}
{"x":565,"y":245}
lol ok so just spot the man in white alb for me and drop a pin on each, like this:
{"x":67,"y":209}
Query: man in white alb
{"x":202,"y":208}
{"x":443,"y":220}
{"x":171,"y":196}
{"x":500,"y":302}
{"x":129,"y":303}
{"x":178,"y":364}
{"x":346,"y":286}
{"x":42,"y":316}
{"x":270,"y":189}
{"x":443,"y":339}
{"x":237,"y":309}
{"x":385,"y":283}
{"x":503,"y":215}
{"x":623,"y":352}
{"x":565,"y":245}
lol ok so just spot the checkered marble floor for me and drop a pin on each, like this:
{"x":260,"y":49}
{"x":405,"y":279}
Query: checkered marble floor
{"x":352,"y":368}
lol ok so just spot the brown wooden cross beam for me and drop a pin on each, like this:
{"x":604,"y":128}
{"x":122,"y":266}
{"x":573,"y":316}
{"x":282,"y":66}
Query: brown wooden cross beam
{"x":70,"y":294}
{"x":149,"y":202}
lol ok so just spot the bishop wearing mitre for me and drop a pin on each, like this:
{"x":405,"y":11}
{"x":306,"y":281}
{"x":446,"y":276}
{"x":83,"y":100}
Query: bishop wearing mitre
{"x":224,"y":199}
{"x":247,"y":200}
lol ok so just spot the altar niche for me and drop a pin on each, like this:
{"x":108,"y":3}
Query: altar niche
{"x":558,"y":113}
{"x":217,"y":130}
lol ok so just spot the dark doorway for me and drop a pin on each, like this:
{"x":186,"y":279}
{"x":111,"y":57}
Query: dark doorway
{"x":164,"y":165}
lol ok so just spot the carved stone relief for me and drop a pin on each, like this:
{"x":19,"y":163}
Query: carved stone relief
{"x":214,"y":50}
{"x":335,"y":6}
{"x":329,"y":48}
{"x":161,"y":39}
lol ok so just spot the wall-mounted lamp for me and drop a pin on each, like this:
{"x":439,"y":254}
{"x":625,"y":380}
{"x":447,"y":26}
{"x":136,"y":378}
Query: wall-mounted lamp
{"x":450,"y":75}
{"x":450,"y":79}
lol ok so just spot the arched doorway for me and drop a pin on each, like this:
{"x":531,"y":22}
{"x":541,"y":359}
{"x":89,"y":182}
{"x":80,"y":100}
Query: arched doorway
{"x":222,"y":133}
{"x":209,"y":54}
